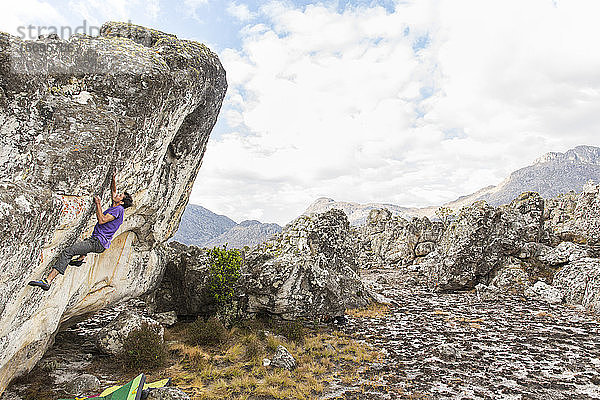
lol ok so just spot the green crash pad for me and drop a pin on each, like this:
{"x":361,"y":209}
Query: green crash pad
{"x":130,"y":391}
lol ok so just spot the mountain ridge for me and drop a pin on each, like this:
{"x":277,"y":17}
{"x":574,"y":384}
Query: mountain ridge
{"x":550,"y":175}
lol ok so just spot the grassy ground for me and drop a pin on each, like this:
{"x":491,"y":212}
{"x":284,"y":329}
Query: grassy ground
{"x":233,"y":369}
{"x":230,"y":365}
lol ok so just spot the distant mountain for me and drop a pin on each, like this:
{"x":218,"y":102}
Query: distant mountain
{"x":247,"y":233}
{"x":550,"y":175}
{"x":199,"y":225}
{"x":203,"y":228}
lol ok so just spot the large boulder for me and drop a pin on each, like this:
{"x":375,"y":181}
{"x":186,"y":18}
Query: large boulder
{"x":481,"y":240}
{"x":579,"y":282}
{"x":184,"y":287}
{"x":111,"y":338}
{"x":307,"y":271}
{"x":134,"y":101}
{"x":390,"y":241}
{"x":576,"y":217}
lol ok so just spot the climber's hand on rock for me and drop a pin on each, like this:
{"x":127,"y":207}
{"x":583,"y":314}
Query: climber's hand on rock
{"x":97,"y":200}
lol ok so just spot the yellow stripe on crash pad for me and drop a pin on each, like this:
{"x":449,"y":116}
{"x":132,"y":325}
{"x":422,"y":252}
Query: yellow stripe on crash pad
{"x":157,"y":384}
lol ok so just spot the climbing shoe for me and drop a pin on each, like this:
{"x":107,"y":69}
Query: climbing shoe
{"x":76,"y":262}
{"x":41,"y":283}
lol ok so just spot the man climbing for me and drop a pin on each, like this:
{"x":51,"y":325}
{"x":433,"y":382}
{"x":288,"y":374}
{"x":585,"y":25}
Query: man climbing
{"x":108,"y":223}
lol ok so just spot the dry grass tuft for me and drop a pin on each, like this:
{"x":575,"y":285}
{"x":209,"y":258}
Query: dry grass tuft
{"x":375,"y":310}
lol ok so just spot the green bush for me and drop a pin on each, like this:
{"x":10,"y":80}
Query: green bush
{"x":208,"y":332}
{"x":224,"y":272}
{"x":144,"y":348}
{"x":291,"y":330}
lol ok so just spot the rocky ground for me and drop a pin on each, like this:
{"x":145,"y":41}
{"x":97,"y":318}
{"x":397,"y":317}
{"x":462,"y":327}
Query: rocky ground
{"x":435,"y":346}
{"x":454,"y":346}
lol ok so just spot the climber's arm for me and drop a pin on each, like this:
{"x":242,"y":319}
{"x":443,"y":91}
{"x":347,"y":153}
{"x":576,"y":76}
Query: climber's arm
{"x":102,"y":219}
{"x":113,"y":185}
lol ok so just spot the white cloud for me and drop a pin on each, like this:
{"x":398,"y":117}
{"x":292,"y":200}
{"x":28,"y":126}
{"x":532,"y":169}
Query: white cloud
{"x":192,"y":7}
{"x":97,"y":12}
{"x":16,"y":16}
{"x":414,"y":107}
{"x":240,"y":11}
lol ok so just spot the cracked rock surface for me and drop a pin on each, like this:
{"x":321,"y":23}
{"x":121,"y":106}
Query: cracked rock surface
{"x":454,"y":346}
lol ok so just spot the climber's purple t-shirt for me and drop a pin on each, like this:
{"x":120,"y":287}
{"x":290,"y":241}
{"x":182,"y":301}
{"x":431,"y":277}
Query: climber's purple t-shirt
{"x":105,"y":232}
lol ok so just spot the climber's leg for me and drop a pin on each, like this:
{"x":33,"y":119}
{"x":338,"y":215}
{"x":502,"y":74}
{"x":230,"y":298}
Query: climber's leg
{"x":82,"y":248}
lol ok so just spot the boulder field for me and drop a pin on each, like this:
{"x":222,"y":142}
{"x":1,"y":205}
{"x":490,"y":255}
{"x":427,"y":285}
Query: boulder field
{"x":133,"y":101}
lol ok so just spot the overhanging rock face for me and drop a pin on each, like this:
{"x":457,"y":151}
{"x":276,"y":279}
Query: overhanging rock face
{"x":134,"y":101}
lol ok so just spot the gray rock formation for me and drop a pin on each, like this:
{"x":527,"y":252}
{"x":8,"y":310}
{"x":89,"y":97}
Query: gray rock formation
{"x":110,"y":339}
{"x":505,"y":250}
{"x":575,"y":218}
{"x":84,"y":383}
{"x":579,"y":282}
{"x":542,"y":291}
{"x":307,"y":271}
{"x":247,"y":233}
{"x":199,"y":225}
{"x":184,"y":287}
{"x":481,"y":240}
{"x":391,"y":241}
{"x":133,"y":100}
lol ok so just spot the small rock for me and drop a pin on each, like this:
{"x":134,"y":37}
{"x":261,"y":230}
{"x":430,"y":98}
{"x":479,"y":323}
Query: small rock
{"x":487,"y":293}
{"x":167,"y":393}
{"x":382,"y":280}
{"x":283,"y":359}
{"x":166,"y":319}
{"x":83,"y":384}
{"x":541,"y":290}
{"x":266,"y":362}
{"x":448,"y":352}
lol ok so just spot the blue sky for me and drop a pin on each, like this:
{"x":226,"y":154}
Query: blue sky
{"x":412,"y":102}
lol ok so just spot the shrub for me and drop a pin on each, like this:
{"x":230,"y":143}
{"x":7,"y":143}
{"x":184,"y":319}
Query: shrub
{"x":208,"y":332}
{"x":144,"y":348}
{"x":224,"y":273}
{"x":291,"y":330}
{"x":253,"y":346}
{"x":194,"y":362}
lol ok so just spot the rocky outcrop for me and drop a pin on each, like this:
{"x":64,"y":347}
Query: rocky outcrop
{"x":133,"y":101}
{"x":392,"y":241}
{"x":184,"y":287}
{"x":545,"y":250}
{"x":576,"y":218}
{"x":579,"y":282}
{"x":111,"y":338}
{"x":481,"y":240}
{"x":307,"y":271}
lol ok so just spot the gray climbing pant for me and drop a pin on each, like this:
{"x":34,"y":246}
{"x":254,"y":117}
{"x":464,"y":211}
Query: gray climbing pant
{"x":89,"y":245}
